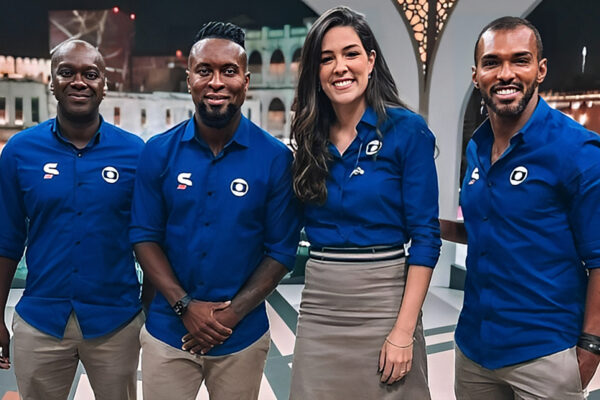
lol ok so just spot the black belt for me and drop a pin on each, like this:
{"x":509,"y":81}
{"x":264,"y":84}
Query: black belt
{"x":357,"y":254}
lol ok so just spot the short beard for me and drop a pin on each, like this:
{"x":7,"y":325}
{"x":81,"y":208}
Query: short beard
{"x":215,"y":119}
{"x":509,"y":111}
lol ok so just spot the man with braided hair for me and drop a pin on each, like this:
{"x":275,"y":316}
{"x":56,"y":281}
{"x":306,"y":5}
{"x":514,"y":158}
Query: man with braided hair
{"x":215,"y":227}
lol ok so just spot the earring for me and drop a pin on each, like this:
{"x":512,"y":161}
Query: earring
{"x":482,"y":108}
{"x":189,"y":90}
{"x":369,"y":75}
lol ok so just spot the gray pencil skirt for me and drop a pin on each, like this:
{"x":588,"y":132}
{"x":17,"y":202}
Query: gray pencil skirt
{"x":347,"y":311}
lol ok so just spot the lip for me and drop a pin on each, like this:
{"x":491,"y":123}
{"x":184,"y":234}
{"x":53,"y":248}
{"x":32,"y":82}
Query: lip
{"x":506,"y":93}
{"x":343,"y":83}
{"x":216,"y":99}
{"x":78,"y":96}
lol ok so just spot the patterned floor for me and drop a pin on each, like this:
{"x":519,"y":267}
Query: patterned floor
{"x":440,"y":314}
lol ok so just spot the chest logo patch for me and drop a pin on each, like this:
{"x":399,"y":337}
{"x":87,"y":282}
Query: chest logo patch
{"x":239,"y":187}
{"x":518,"y":176}
{"x":373,"y":147}
{"x":184,"y":180}
{"x":474,"y":176}
{"x":110,"y":174}
{"x":50,"y":170}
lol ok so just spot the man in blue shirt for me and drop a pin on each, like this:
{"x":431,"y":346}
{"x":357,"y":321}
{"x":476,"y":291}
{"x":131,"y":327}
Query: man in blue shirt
{"x":215,"y":227}
{"x":529,"y":199}
{"x":65,"y":190}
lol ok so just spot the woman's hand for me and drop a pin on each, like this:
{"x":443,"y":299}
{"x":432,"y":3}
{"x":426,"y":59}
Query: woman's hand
{"x":395,"y":358}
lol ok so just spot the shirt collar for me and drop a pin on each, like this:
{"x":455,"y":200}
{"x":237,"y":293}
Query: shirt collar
{"x":95,"y":140}
{"x":241,"y":135}
{"x":369,"y":118}
{"x":529,"y":131}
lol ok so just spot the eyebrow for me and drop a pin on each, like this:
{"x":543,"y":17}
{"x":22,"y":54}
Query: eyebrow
{"x":515,"y":55}
{"x":344,"y":49}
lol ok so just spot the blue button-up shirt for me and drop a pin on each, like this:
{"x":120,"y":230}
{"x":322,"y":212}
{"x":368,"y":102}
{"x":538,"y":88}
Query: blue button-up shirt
{"x":382,"y":191}
{"x":216,"y":217}
{"x":73,"y":208}
{"x":532,"y":222}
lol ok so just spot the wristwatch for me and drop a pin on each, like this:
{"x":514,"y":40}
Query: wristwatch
{"x":180,"y":307}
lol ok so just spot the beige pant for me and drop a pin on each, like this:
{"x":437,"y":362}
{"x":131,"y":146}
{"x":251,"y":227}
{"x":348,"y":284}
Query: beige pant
{"x":45,"y":366}
{"x":555,"y":376}
{"x":170,"y":373}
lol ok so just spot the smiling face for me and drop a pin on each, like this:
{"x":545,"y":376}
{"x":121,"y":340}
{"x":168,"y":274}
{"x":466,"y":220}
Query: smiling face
{"x":217,"y":80}
{"x":345,"y":66}
{"x":78,"y":80}
{"x":508,"y":72}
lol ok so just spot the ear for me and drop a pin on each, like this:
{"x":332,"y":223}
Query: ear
{"x":371,"y":60}
{"x":474,"y":76}
{"x":542,"y":70}
{"x":247,"y":80}
{"x":187,"y":79}
{"x":51,"y":86}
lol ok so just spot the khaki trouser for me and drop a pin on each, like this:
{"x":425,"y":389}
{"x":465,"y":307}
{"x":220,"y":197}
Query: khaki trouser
{"x":45,"y":366}
{"x":555,"y":376}
{"x":170,"y":373}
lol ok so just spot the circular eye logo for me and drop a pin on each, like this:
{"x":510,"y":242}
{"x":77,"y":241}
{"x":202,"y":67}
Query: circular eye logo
{"x":518,"y":175}
{"x":373,"y":147}
{"x":110,"y":174}
{"x":239,"y":187}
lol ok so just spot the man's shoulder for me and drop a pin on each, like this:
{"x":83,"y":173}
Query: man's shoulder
{"x":568,"y":132}
{"x":265,"y":141}
{"x":167,"y":137}
{"x":25,"y":140}
{"x":127,"y":137}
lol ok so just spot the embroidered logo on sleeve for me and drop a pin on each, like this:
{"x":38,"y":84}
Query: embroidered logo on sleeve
{"x":110,"y":174}
{"x":518,"y":176}
{"x":373,"y":147}
{"x":184,"y":180}
{"x":239,"y":187}
{"x":50,"y":170}
{"x":474,"y":176}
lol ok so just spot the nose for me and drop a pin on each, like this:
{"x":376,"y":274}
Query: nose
{"x":340,"y":66}
{"x":506,"y":72}
{"x":78,"y":81}
{"x":215,"y":82}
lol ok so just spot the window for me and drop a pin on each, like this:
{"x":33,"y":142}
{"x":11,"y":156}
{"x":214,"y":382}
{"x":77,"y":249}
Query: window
{"x":18,"y":111}
{"x":35,"y":109}
{"x":3,"y":111}
{"x":117,"y":116}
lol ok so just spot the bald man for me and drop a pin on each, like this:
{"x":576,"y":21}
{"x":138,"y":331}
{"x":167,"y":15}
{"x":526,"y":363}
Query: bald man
{"x":65,"y":191}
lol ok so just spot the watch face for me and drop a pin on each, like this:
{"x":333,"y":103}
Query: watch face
{"x":179,"y":308}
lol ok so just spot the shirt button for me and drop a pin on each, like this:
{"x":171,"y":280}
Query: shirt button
{"x":485,"y":218}
{"x":489,"y":184}
{"x":210,"y":193}
{"x":78,"y":243}
{"x":483,"y":253}
{"x":206,"y":223}
{"x":79,"y":154}
{"x":204,"y":254}
{"x":79,"y":213}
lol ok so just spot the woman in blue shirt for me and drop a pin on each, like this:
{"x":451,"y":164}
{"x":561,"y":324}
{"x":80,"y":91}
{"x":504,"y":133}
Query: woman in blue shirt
{"x":364,"y":169}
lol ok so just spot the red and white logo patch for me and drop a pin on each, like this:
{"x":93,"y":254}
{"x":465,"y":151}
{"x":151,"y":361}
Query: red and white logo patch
{"x":50,"y":170}
{"x":184,"y":180}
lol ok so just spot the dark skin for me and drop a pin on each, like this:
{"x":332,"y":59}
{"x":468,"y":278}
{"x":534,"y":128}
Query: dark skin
{"x":217,"y":80}
{"x":7,"y":272}
{"x":504,"y":58}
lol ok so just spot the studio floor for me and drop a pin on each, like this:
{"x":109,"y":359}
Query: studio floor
{"x":440,"y":314}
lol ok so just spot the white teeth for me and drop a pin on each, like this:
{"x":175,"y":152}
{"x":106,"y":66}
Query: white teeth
{"x":342,"y":83}
{"x":506,"y":91}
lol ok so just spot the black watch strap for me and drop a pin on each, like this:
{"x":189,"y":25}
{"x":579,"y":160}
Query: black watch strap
{"x":180,"y":307}
{"x":589,"y":342}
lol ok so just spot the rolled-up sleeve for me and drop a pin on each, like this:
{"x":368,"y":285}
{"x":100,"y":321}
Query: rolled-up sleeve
{"x":13,"y":228}
{"x":420,"y":195}
{"x":584,"y":216}
{"x":148,"y":208}
{"x":282,"y":221}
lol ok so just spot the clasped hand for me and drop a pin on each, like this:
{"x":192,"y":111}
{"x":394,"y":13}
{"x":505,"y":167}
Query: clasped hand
{"x":208,"y":324}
